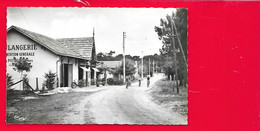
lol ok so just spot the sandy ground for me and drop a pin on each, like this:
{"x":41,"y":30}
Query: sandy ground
{"x":51,"y":109}
{"x":94,"y":105}
{"x":118,"y":105}
{"x":163,"y":94}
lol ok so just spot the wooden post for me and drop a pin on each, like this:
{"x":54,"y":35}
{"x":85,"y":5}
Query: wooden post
{"x":43,"y":88}
{"x":16,"y":83}
{"x":37,"y":86}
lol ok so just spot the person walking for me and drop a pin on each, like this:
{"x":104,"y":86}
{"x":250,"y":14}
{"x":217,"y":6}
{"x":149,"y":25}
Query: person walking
{"x":148,"y":81}
{"x":140,"y":82}
{"x":128,"y":83}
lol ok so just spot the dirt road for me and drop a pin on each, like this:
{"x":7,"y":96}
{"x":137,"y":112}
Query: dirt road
{"x":94,"y":105}
{"x":118,"y":105}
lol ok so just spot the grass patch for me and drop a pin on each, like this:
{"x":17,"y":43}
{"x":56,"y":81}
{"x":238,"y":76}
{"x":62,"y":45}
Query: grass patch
{"x":43,"y":110}
{"x":164,"y":93}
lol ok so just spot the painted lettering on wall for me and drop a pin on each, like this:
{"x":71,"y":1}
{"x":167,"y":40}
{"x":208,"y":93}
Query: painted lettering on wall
{"x":23,"y":50}
{"x":21,"y":54}
{"x":11,"y":61}
{"x":22,"y":47}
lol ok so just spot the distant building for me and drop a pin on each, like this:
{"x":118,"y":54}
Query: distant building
{"x":109,"y":67}
{"x":110,"y":64}
{"x":72,"y":59}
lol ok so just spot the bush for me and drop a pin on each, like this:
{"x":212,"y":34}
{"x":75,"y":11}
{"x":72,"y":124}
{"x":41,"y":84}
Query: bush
{"x":103,"y":81}
{"x":25,"y":79}
{"x":50,"y":80}
{"x":119,"y":81}
{"x":92,"y":82}
{"x":82,"y":83}
{"x":112,"y":81}
{"x":9,"y":81}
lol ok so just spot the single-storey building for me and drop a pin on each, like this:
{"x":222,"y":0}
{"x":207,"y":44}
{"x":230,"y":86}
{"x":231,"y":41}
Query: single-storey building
{"x":72,"y":59}
{"x":108,"y":68}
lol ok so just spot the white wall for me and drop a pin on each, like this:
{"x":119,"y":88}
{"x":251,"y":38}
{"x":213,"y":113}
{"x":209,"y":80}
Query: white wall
{"x":74,"y":63}
{"x":109,"y":74}
{"x":42,"y":61}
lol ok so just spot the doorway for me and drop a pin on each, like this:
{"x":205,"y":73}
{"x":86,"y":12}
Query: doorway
{"x":80,"y":74}
{"x":67,"y":75}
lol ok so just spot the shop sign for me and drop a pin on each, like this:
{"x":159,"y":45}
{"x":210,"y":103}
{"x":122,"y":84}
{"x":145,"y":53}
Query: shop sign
{"x":17,"y":51}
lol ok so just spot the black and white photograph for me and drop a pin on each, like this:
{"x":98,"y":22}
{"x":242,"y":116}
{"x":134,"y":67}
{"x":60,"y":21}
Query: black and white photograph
{"x":70,"y":65}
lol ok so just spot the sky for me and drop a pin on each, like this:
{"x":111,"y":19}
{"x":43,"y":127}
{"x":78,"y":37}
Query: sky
{"x":107,"y":23}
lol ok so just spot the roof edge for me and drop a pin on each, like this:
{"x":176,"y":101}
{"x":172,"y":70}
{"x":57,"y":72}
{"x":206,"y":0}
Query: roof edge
{"x":57,"y":53}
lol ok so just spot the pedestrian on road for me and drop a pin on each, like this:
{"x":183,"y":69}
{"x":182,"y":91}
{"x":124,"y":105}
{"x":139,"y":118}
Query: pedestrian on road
{"x":148,"y":81}
{"x":140,"y":82}
{"x":128,"y":83}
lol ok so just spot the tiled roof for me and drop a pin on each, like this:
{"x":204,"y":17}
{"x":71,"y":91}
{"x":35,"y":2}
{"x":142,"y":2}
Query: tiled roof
{"x":110,"y":64}
{"x":49,"y":43}
{"x":83,"y":46}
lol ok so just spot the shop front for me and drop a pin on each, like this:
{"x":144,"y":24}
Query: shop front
{"x":47,"y":55}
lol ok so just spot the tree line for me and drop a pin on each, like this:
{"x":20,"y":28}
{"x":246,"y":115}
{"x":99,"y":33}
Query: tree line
{"x":172,"y":31}
{"x":131,"y":61}
{"x":172,"y":59}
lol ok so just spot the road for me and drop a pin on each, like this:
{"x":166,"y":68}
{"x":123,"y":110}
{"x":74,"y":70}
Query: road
{"x":118,"y":105}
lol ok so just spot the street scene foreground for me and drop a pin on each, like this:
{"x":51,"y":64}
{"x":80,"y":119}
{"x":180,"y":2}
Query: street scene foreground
{"x":103,"y":105}
{"x":97,"y":69}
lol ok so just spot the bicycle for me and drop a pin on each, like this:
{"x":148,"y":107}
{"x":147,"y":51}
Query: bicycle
{"x":74,"y":84}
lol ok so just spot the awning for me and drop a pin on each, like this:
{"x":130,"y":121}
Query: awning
{"x":95,"y":69}
{"x":85,"y":69}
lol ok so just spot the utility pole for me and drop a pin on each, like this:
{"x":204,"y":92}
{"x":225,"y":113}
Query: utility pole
{"x":105,"y":74}
{"x":149,"y":66}
{"x":174,"y":57}
{"x":142,"y":75}
{"x":124,"y":36}
{"x":153,"y":67}
{"x":156,"y":67}
{"x":183,"y":55}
